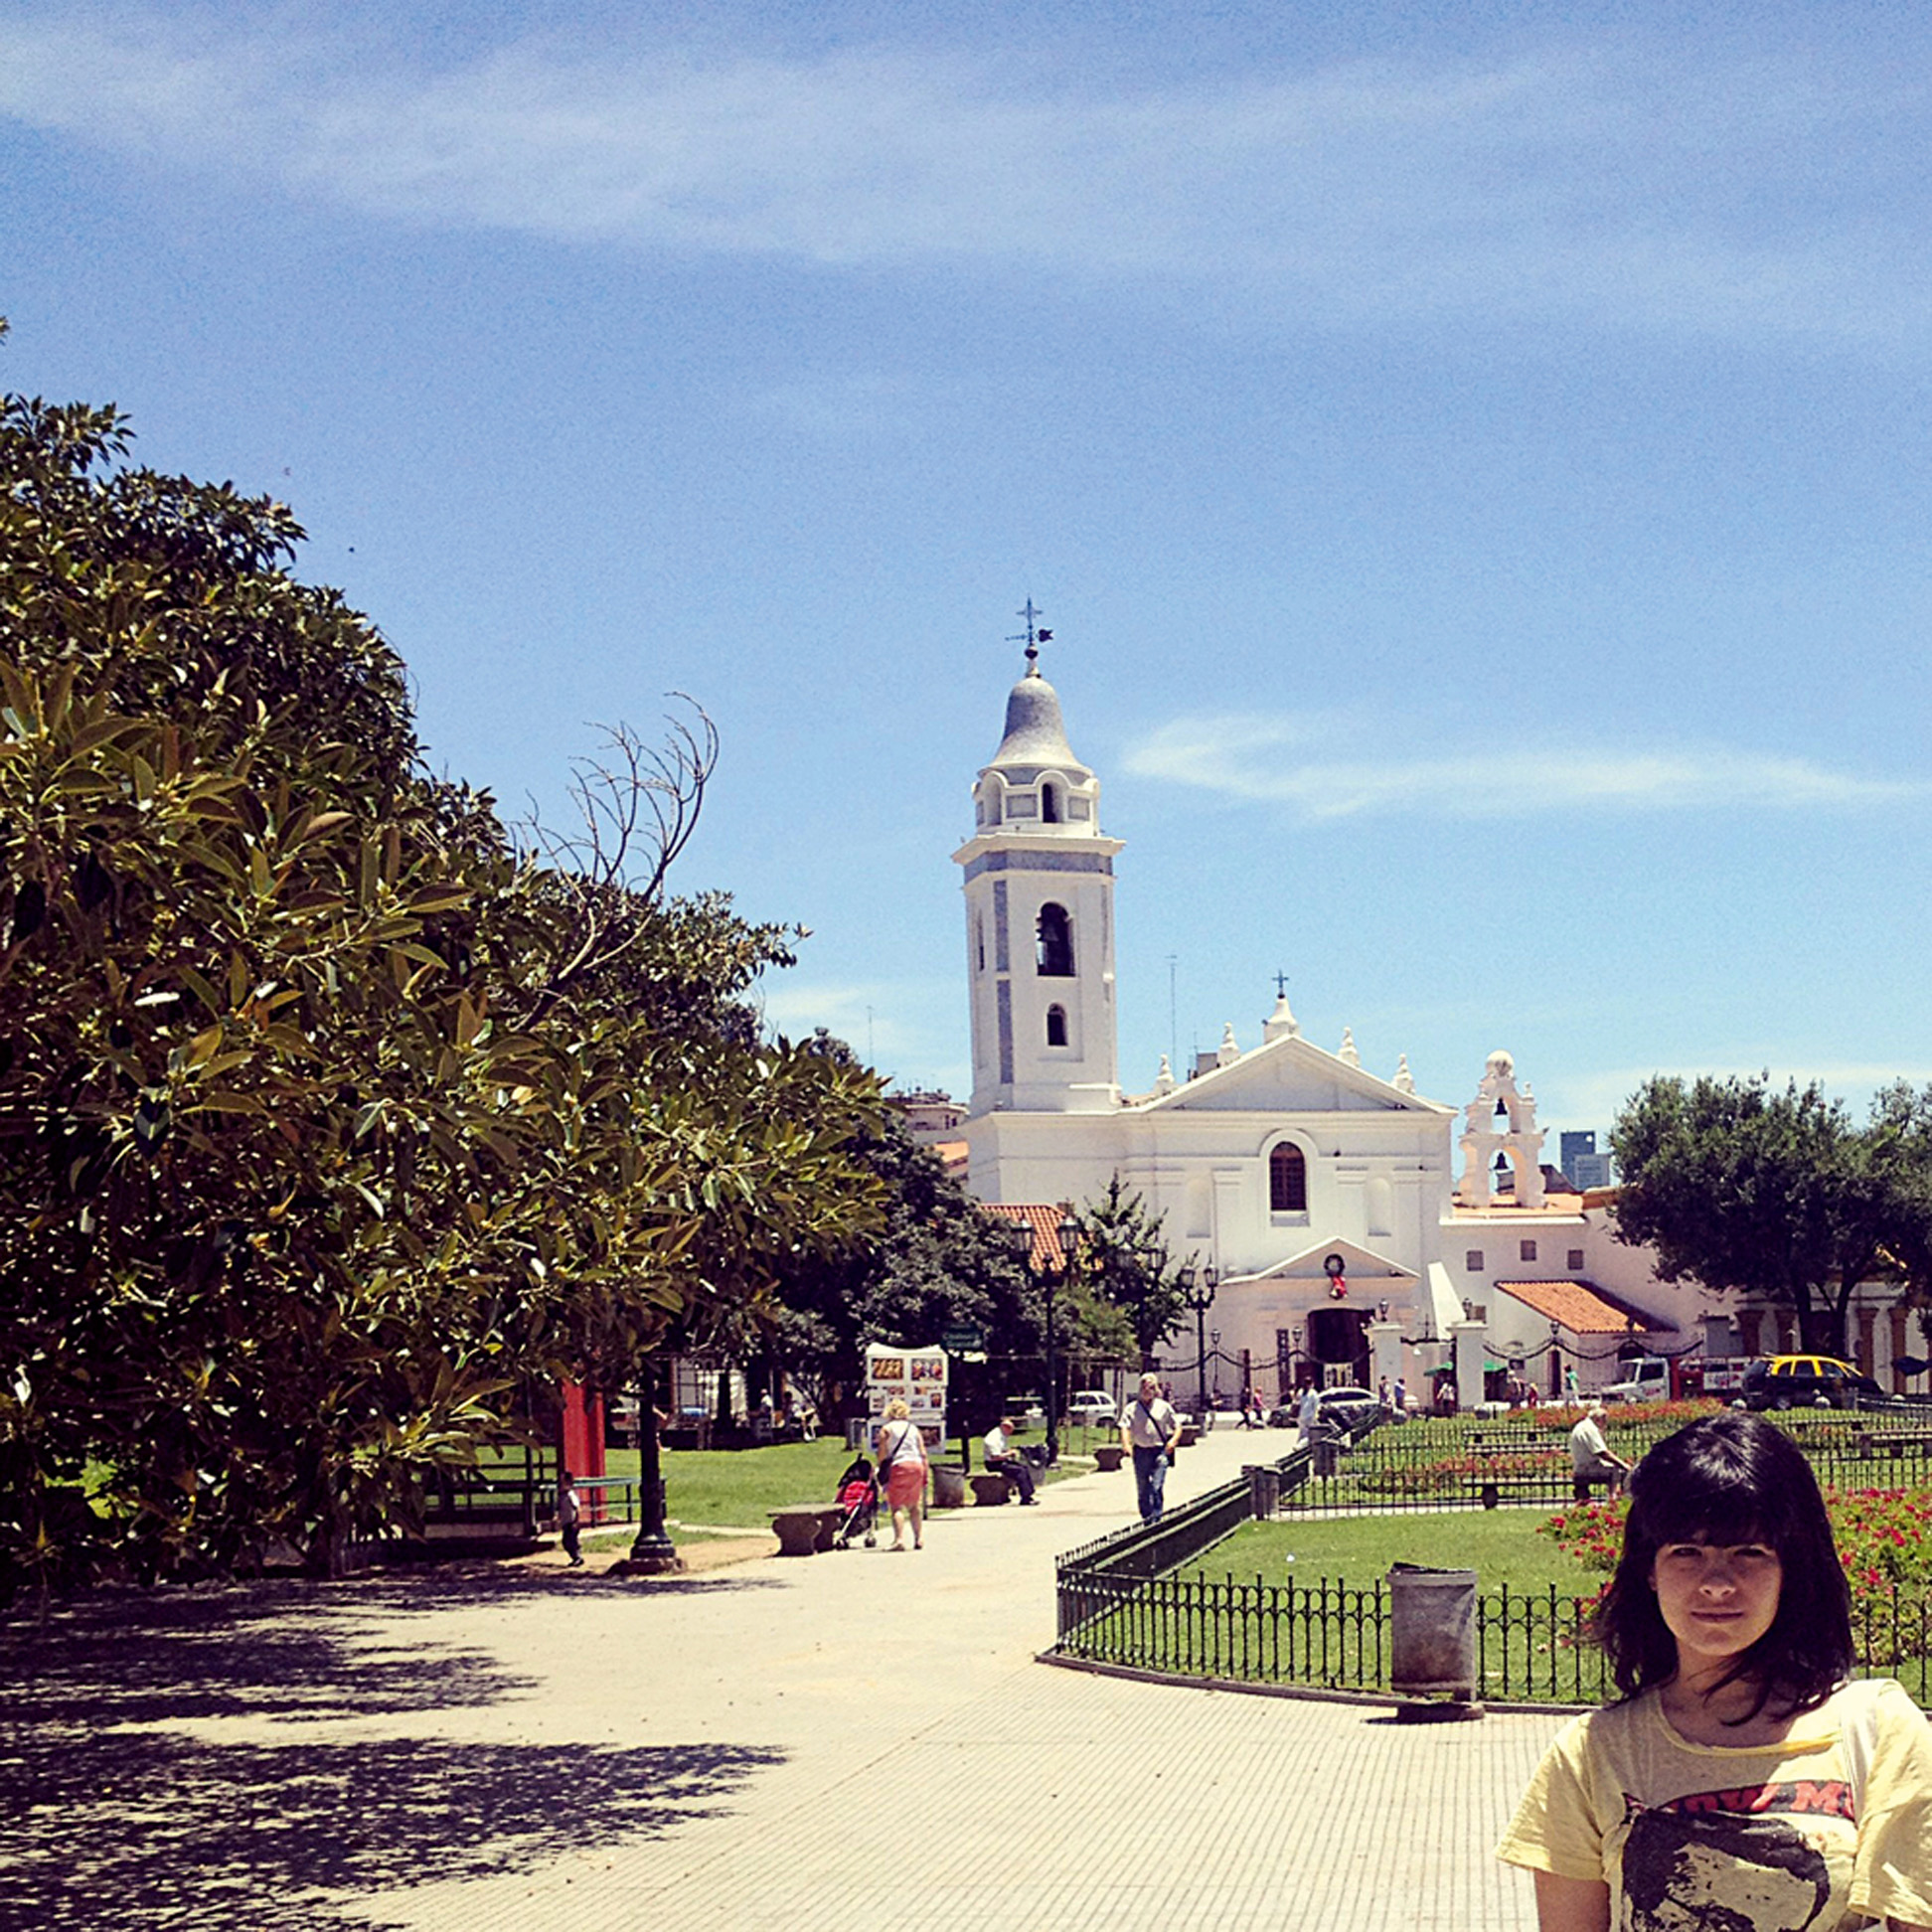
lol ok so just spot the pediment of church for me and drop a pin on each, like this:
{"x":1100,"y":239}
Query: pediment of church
{"x":1291,"y":1075}
{"x":1359,"y":1265}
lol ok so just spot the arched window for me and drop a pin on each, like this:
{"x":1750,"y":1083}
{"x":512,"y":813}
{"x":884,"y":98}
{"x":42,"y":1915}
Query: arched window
{"x":1056,"y":1026}
{"x":1049,"y":812}
{"x":1287,"y":1180}
{"x":1056,"y":942}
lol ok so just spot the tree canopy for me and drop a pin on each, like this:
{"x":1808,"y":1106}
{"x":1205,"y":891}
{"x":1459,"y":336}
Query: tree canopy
{"x":332,"y":1123}
{"x":1775,"y":1192}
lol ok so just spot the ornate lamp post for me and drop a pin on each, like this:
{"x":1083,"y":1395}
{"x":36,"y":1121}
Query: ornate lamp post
{"x":1201,"y":1300}
{"x":652,"y":1550}
{"x":1070,"y":1235}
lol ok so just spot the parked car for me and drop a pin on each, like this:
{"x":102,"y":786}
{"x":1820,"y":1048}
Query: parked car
{"x":1025,"y":1411}
{"x":1804,"y":1381}
{"x":1343,"y":1406}
{"x":1093,"y":1407}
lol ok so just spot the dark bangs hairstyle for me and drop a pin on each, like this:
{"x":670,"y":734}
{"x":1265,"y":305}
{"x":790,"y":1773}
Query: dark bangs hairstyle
{"x":1732,"y":1479}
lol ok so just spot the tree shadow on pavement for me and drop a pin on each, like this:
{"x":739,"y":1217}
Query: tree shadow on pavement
{"x":110,"y":1815}
{"x":153,"y":1832}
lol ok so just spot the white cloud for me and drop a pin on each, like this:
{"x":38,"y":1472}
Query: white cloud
{"x":1325,"y":767}
{"x":1634,"y":193}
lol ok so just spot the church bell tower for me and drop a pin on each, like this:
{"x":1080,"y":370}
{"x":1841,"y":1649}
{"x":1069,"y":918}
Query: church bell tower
{"x":1039,"y":940}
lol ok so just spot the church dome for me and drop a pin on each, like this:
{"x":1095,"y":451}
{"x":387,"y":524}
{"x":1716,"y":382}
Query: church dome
{"x":1035,"y":735}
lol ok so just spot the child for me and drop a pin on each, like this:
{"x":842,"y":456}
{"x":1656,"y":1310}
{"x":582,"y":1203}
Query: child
{"x":1740,"y":1780}
{"x":570,"y":1518}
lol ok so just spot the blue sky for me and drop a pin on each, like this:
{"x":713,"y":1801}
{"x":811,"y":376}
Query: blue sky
{"x":1472,"y":459}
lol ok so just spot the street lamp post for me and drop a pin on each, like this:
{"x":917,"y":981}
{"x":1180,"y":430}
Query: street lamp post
{"x":652,"y":1549}
{"x":1052,"y":1278}
{"x":1201,"y":1300}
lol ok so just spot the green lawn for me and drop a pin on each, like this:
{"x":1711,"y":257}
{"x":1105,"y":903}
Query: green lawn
{"x":1501,"y":1545}
{"x":736,"y":1486}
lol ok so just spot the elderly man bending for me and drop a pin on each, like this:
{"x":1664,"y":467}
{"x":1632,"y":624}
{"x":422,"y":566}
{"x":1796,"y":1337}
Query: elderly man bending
{"x":1591,"y":1460}
{"x":1003,"y":1459}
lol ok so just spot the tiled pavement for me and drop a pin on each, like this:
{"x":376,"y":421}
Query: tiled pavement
{"x":837,"y":1741}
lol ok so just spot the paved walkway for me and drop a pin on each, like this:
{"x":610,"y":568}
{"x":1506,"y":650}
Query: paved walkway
{"x":854,"y":1739}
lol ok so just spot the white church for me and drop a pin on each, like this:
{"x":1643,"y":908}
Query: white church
{"x":1325,"y":1197}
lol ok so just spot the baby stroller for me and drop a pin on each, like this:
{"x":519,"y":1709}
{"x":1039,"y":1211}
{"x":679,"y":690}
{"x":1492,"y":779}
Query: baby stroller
{"x":857,"y":1495}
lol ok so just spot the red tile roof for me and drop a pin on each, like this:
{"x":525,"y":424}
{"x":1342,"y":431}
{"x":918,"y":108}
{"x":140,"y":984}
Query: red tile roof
{"x":1583,"y":1308}
{"x":1043,"y":1217}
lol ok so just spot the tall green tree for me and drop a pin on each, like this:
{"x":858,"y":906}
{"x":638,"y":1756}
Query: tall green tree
{"x":937,"y":1261}
{"x":1126,"y":1265}
{"x":1755,"y":1189}
{"x":329,"y":1122}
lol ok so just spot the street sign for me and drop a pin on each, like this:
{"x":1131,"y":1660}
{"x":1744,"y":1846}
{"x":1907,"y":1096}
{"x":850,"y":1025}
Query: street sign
{"x":963,"y":1341}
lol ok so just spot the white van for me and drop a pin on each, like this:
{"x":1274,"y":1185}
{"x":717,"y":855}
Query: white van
{"x":1648,"y":1381}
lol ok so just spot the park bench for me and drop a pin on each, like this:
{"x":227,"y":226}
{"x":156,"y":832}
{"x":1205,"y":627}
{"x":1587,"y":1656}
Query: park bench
{"x":1108,"y":1456}
{"x":990,"y":1490}
{"x":1490,"y":1490}
{"x":1894,"y":1442}
{"x":805,"y":1527}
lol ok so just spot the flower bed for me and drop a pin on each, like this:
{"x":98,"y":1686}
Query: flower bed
{"x":1884,"y":1538}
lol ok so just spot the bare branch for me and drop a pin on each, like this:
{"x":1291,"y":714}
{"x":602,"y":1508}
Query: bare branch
{"x":637,"y":807}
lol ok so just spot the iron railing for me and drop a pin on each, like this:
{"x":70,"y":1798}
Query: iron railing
{"x":1531,"y":1647}
{"x":1437,"y":1466}
{"x":1119,"y":1603}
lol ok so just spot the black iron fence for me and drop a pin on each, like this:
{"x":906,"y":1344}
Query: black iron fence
{"x":1455,"y":1465}
{"x":1119,"y":1603}
{"x":1531,"y":1647}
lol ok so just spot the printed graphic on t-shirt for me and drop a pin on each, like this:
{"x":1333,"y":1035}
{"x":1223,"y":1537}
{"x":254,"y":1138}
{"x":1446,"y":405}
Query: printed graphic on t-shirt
{"x":1749,"y":1860}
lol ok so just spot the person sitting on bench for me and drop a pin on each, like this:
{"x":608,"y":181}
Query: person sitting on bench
{"x":1003,"y":1459}
{"x":1591,"y":1458}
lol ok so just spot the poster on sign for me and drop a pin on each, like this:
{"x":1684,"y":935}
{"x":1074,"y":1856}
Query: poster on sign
{"x":915,"y":1377}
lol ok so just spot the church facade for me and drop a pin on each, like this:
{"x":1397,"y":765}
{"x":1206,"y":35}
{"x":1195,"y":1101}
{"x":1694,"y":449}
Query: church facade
{"x":1323,"y":1194}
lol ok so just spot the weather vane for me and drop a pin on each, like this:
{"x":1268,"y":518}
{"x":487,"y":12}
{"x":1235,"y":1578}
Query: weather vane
{"x":1033,"y":637}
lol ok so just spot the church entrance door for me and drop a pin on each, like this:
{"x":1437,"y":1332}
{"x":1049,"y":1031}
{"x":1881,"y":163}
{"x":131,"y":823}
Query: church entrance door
{"x":1337,"y":1339}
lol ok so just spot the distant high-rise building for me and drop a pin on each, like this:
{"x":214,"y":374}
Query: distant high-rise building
{"x":1581,"y":1161}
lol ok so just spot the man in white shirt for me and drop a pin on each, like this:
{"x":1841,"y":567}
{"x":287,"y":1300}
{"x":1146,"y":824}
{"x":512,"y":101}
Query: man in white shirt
{"x":1310,"y":1414}
{"x":1590,"y":1456}
{"x":1003,"y":1459}
{"x":1150,"y":1429}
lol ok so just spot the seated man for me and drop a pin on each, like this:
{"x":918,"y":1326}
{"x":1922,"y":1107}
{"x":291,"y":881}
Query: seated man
{"x":1592,"y":1459}
{"x":1005,"y":1459}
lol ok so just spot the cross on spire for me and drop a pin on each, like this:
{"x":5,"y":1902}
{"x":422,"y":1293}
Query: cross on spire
{"x":1281,"y":986}
{"x":1033,"y":637}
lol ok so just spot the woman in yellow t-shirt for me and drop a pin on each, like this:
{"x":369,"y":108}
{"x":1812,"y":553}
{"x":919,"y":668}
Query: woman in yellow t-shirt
{"x":1741,"y":1781}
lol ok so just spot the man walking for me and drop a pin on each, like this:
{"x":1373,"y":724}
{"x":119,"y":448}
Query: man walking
{"x":1151,"y":1432}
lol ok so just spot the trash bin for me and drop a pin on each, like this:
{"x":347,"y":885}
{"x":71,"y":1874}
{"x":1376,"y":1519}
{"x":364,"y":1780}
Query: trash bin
{"x":1432,"y":1631}
{"x":1265,"y":1489}
{"x":948,"y":1485}
{"x":858,"y":1431}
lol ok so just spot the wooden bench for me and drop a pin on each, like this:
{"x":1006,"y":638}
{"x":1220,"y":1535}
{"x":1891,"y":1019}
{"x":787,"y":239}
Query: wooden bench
{"x":806,"y":1528}
{"x":990,"y":1490}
